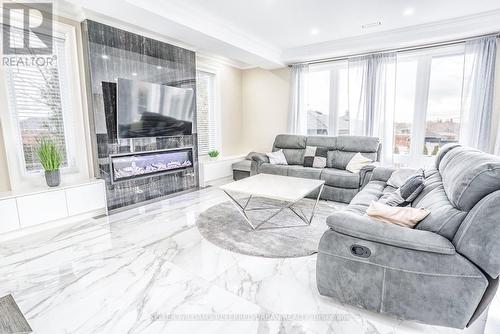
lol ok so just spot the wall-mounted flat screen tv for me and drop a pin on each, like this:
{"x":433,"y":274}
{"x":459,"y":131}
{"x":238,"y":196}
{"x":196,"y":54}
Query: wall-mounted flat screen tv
{"x":151,"y":110}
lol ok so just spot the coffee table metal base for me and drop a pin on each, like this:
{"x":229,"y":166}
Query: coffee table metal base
{"x":243,"y":210}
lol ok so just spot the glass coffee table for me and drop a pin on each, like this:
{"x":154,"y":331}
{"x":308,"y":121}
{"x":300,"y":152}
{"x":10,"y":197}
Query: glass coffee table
{"x":286,"y":189}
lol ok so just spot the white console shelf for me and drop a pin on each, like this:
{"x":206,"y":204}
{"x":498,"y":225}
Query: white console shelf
{"x":28,"y":211}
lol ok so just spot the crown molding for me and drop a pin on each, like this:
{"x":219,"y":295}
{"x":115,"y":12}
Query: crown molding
{"x":434,"y":32}
{"x":184,"y":27}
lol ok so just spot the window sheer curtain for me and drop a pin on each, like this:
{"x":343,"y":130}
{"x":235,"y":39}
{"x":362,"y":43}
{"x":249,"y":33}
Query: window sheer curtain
{"x":297,"y":117}
{"x":372,"y":96}
{"x":477,"y":96}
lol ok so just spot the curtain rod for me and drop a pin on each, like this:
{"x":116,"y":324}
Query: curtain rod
{"x":409,"y":48}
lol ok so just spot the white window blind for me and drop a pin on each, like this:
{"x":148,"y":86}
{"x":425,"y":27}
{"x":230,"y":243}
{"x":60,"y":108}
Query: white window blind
{"x":205,"y":108}
{"x":36,"y":103}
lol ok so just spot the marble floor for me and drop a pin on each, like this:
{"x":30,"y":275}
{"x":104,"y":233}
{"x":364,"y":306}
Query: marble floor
{"x":148,"y":270}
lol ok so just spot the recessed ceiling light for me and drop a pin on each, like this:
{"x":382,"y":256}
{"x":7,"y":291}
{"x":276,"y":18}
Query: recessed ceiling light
{"x":409,"y":11}
{"x":314,"y":31}
{"x":134,"y":74}
{"x":105,"y":57}
{"x":371,"y":25}
{"x":158,"y":67}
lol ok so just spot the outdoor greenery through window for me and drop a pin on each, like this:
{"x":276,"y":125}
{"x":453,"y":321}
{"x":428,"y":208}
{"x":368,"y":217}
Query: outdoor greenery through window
{"x":36,"y":102}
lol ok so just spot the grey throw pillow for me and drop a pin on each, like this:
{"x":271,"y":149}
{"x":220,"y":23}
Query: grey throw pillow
{"x":251,"y":154}
{"x":407,"y":193}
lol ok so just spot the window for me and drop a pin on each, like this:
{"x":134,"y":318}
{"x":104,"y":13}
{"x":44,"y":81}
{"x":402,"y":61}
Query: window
{"x":36,"y":102}
{"x":427,"y":102}
{"x":205,"y":108}
{"x":327,"y":107}
{"x":44,"y":98}
{"x":428,"y":97}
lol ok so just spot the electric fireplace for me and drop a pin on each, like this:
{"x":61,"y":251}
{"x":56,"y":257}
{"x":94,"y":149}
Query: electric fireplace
{"x":133,"y":165}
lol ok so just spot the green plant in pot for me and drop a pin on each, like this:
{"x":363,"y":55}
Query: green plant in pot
{"x":50,"y":157}
{"x":213,"y":153}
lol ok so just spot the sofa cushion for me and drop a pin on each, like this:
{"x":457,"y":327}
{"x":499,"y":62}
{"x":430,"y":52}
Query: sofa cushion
{"x":289,"y":141}
{"x":315,"y":156}
{"x":468,"y":176}
{"x":443,"y":151}
{"x":268,"y":168}
{"x":340,"y":159}
{"x":340,"y":178}
{"x":294,"y":156}
{"x":371,"y":192}
{"x":444,"y":219}
{"x":357,"y":163}
{"x":361,"y":144}
{"x":277,"y":158}
{"x":305,"y":172}
{"x":322,"y":141}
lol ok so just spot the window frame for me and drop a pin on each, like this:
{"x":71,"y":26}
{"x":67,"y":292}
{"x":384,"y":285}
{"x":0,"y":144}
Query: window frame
{"x":333,"y":68}
{"x":424,"y":58}
{"x":73,"y":118}
{"x":216,"y":98}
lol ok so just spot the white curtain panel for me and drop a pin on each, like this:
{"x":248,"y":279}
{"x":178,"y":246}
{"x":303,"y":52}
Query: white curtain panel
{"x":297,"y":116}
{"x":372,"y":96}
{"x":477,"y":95}
{"x":495,"y":131}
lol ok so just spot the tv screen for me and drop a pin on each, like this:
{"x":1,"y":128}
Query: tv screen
{"x":151,"y":110}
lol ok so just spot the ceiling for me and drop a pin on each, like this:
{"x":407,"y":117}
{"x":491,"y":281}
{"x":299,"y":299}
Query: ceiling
{"x":270,"y":33}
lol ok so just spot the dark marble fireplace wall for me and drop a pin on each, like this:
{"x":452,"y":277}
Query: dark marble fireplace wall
{"x":111,"y":53}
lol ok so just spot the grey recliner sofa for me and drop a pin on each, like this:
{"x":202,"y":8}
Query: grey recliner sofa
{"x":340,"y":185}
{"x":443,"y":272}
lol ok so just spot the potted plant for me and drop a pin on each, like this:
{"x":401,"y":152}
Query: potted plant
{"x":213,"y":154}
{"x":50,"y":157}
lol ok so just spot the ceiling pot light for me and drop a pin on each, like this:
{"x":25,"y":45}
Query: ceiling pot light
{"x":158,"y":67}
{"x":134,"y":74}
{"x":105,"y":56}
{"x":314,"y":31}
{"x":409,"y":11}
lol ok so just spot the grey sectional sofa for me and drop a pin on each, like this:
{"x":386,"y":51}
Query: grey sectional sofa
{"x":443,"y":272}
{"x":340,"y":185}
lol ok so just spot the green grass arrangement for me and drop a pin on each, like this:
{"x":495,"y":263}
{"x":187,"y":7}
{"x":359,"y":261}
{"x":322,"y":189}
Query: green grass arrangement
{"x":48,"y":154}
{"x":213,"y":153}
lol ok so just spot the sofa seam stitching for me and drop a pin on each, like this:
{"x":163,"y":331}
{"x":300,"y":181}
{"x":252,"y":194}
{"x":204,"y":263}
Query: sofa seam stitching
{"x":392,"y":268}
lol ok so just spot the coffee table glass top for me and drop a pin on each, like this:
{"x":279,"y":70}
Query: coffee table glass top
{"x":283,"y":188}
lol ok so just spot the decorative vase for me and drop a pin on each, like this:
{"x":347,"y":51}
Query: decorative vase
{"x":53,"y":177}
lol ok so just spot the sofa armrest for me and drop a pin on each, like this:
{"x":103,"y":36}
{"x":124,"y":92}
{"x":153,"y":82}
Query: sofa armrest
{"x":365,"y":174}
{"x":260,"y":157}
{"x":257,"y":160}
{"x":363,"y":227}
{"x":382,"y":173}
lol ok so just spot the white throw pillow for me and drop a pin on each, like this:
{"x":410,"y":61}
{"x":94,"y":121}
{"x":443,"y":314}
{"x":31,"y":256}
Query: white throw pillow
{"x":277,"y":158}
{"x":357,"y":162}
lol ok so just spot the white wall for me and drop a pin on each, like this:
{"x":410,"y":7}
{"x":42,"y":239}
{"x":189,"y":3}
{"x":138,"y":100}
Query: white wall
{"x":265,"y":98}
{"x":228,"y":103}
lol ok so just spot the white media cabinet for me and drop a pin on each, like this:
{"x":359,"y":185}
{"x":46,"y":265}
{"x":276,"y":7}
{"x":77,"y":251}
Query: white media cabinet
{"x":24,"y":212}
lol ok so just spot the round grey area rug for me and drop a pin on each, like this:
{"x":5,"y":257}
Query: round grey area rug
{"x":225,"y":227}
